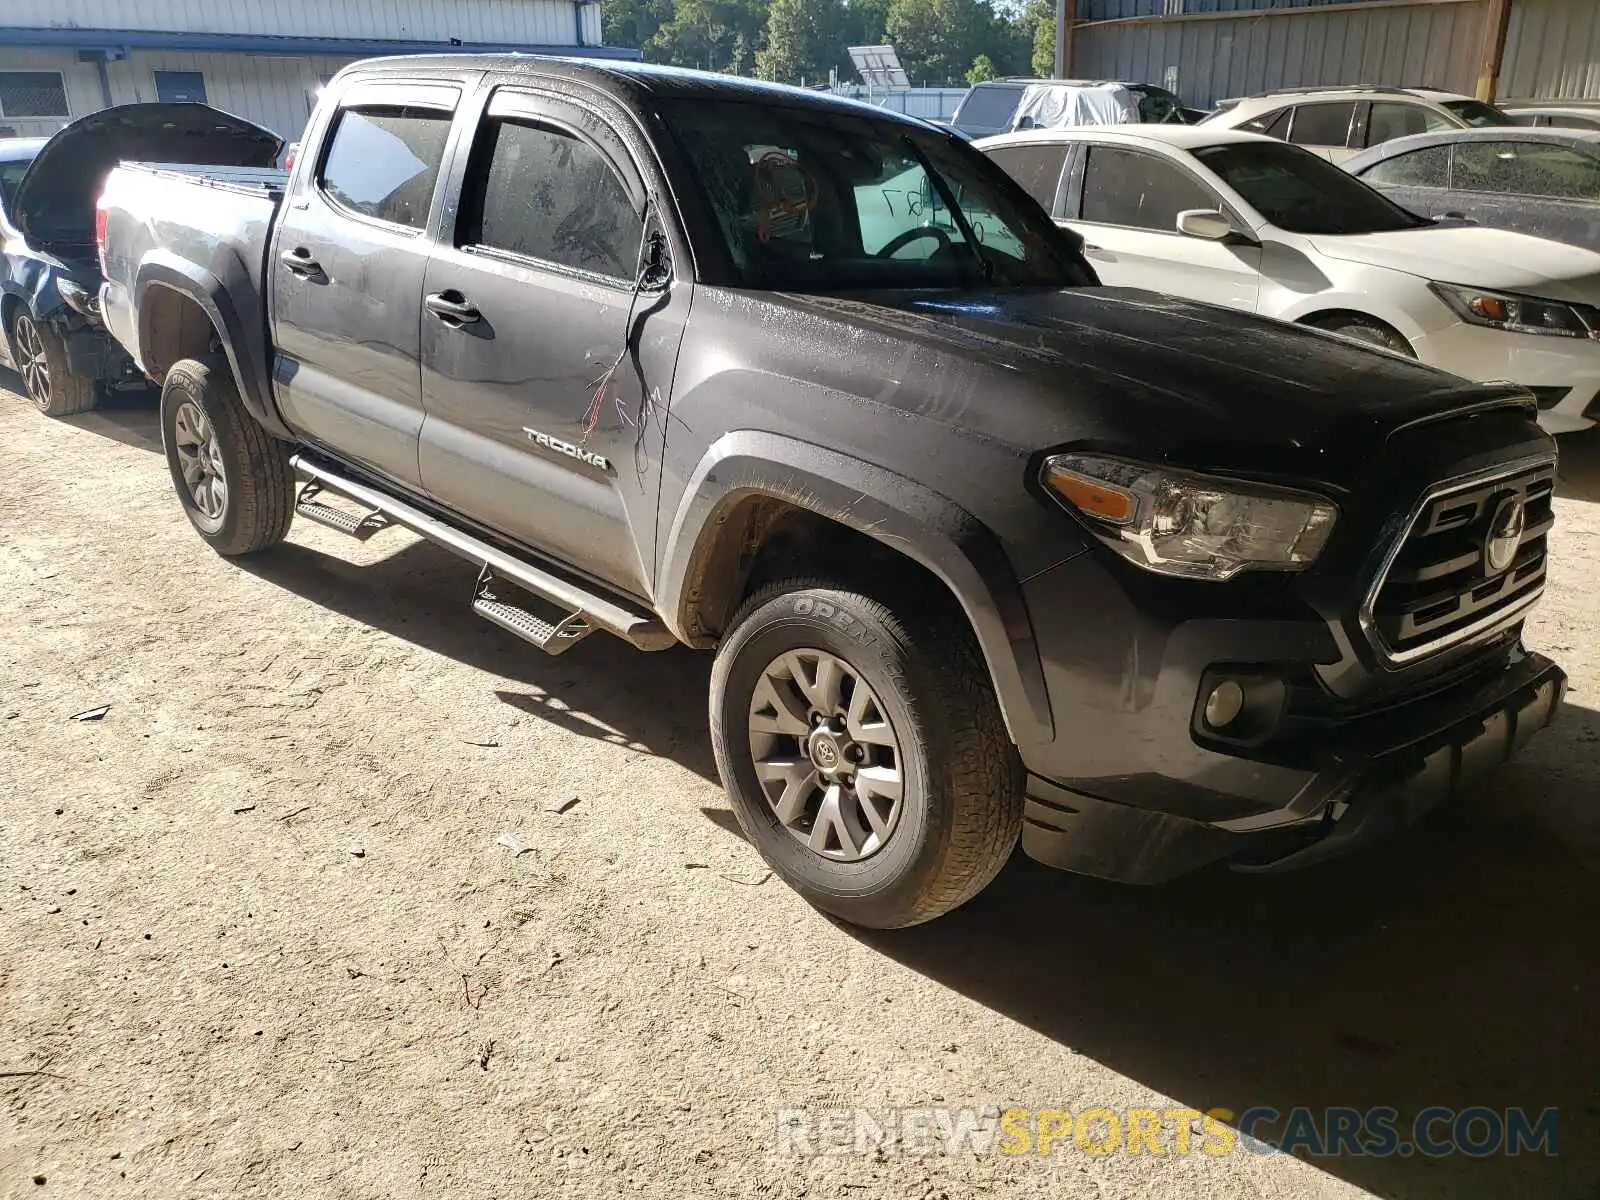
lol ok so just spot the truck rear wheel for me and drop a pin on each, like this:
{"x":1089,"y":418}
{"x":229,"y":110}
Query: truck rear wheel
{"x":232,"y":477}
{"x":864,"y":753}
{"x":47,"y":371}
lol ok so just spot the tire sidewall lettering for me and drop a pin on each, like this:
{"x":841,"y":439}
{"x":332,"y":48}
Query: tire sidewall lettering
{"x":831,"y":614}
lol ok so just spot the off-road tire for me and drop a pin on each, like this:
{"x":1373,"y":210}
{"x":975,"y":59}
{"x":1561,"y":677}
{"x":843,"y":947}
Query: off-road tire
{"x":961,"y":811}
{"x":255,"y":465}
{"x":61,"y":393}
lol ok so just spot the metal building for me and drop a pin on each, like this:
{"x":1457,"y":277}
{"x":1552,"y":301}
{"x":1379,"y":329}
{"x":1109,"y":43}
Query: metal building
{"x":1206,"y":50}
{"x":262,"y":59}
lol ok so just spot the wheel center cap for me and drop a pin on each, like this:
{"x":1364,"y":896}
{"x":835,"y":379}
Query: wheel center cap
{"x":826,"y":753}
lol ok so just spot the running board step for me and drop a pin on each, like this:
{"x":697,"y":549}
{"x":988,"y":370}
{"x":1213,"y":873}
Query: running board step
{"x":360,"y":526}
{"x":552,"y":636}
{"x":567,"y":594}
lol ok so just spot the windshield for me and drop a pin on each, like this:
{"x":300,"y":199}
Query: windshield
{"x":1301,"y":193}
{"x":822,"y":201}
{"x":1478,"y":114}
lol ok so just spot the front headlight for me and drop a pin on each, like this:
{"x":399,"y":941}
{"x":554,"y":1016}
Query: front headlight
{"x":1181,"y":523}
{"x":1519,"y":314}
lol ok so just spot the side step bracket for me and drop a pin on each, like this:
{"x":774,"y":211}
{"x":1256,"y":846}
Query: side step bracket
{"x":576,"y":606}
{"x":552,"y":636}
{"x":360,"y":526}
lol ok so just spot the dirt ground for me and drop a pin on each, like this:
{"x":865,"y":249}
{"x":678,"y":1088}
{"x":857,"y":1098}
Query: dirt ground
{"x":205,"y":990}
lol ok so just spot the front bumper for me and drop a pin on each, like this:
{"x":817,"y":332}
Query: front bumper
{"x":1570,"y":366}
{"x":1379,"y":774}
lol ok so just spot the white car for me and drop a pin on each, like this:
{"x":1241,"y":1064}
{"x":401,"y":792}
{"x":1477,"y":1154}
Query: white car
{"x":1245,"y":221}
{"x":1338,"y":123}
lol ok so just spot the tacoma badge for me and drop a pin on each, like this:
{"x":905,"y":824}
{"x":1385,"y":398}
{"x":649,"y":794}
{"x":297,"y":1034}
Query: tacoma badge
{"x":567,"y":448}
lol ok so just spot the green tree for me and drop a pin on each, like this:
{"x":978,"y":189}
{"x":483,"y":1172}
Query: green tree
{"x":982,"y":70}
{"x":1044,"y":46}
{"x":804,"y":39}
{"x":713,"y":35}
{"x":633,"y":22}
{"x":866,"y":22}
{"x":938,"y":39}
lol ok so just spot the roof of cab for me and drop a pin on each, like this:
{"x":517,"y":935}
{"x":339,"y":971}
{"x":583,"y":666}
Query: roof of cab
{"x":630,"y":81}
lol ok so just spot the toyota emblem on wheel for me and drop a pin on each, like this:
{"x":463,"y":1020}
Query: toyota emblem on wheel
{"x":1505,"y":535}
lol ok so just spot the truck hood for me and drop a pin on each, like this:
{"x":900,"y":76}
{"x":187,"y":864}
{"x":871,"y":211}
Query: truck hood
{"x":1488,"y":258}
{"x":54,"y":204}
{"x":1166,"y":379}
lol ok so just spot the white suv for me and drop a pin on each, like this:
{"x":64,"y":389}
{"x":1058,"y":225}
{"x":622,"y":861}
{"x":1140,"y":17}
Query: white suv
{"x":1340,"y":122}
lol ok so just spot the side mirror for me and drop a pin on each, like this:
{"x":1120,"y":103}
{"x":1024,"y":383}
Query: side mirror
{"x":1206,"y":223}
{"x":655,"y":272}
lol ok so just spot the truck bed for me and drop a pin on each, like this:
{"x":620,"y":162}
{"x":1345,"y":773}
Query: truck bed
{"x":267,"y":182}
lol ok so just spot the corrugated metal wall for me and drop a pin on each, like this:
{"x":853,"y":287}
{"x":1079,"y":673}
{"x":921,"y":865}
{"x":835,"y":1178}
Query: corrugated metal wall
{"x":531,"y":22}
{"x":1552,"y":50}
{"x":1109,"y":10}
{"x":81,"y":84}
{"x":1209,"y":58}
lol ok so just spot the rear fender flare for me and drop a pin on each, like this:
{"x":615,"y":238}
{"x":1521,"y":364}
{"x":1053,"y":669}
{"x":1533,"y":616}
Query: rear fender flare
{"x":161,"y":269}
{"x":904,"y":515}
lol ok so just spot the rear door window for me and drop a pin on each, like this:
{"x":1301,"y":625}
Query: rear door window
{"x":1392,"y":119}
{"x":1125,"y":187}
{"x":1526,"y":169}
{"x":1425,"y":168}
{"x":383,"y":162}
{"x":1323,"y":124}
{"x":1036,"y":168}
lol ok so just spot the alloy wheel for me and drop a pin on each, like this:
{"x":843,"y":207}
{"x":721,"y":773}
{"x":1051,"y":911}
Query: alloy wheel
{"x":32,"y":364}
{"x":200,"y":460}
{"x":826,"y":755}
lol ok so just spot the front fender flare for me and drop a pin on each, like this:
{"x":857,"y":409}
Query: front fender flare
{"x":196,"y":283}
{"x":904,"y":515}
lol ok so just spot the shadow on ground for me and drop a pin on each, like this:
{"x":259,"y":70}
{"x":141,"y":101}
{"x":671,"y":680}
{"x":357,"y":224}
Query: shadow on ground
{"x":1455,"y":966}
{"x":130,"y":416}
{"x":607,"y":690}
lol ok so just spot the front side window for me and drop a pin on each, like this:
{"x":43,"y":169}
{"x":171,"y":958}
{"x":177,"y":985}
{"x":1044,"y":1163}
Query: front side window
{"x":1302,"y":193}
{"x":383,"y":162}
{"x":11,"y":174}
{"x":1323,"y":124}
{"x":1392,"y":119}
{"x":1124,"y":187}
{"x":1526,"y":169}
{"x":1036,"y":168}
{"x":544,"y":193}
{"x":1426,"y":168}
{"x":813,"y":200}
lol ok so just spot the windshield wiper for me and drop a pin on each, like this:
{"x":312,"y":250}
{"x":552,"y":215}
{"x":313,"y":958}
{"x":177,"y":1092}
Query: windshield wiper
{"x":936,"y":181}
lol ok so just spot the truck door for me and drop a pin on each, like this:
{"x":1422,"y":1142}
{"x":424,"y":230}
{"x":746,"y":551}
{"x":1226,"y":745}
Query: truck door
{"x":346,"y":268}
{"x":545,"y":420}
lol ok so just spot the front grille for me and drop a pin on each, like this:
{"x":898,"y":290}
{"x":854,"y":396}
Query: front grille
{"x":1440,"y":586}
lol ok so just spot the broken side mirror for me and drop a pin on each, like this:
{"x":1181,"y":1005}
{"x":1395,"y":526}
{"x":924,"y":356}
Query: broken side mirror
{"x":655,"y":265}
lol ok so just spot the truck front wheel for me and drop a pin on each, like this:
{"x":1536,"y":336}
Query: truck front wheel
{"x":864,"y":753}
{"x":232,"y":477}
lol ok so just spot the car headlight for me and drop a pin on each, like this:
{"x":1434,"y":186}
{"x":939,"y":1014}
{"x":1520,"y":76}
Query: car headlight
{"x":1182,"y":523}
{"x":1519,"y":314}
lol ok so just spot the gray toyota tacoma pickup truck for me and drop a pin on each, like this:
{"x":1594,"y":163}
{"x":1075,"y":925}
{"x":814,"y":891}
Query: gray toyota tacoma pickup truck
{"x":986,"y":552}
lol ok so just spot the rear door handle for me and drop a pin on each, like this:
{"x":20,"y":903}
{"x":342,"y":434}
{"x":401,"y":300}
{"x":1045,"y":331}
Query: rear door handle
{"x":452,"y":308}
{"x":299,"y":262}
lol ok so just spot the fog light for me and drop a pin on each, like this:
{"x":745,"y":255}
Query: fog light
{"x":1224,"y":704}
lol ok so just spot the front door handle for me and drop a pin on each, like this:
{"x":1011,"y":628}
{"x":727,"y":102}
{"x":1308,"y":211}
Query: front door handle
{"x":452,"y":308}
{"x":299,"y":262}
